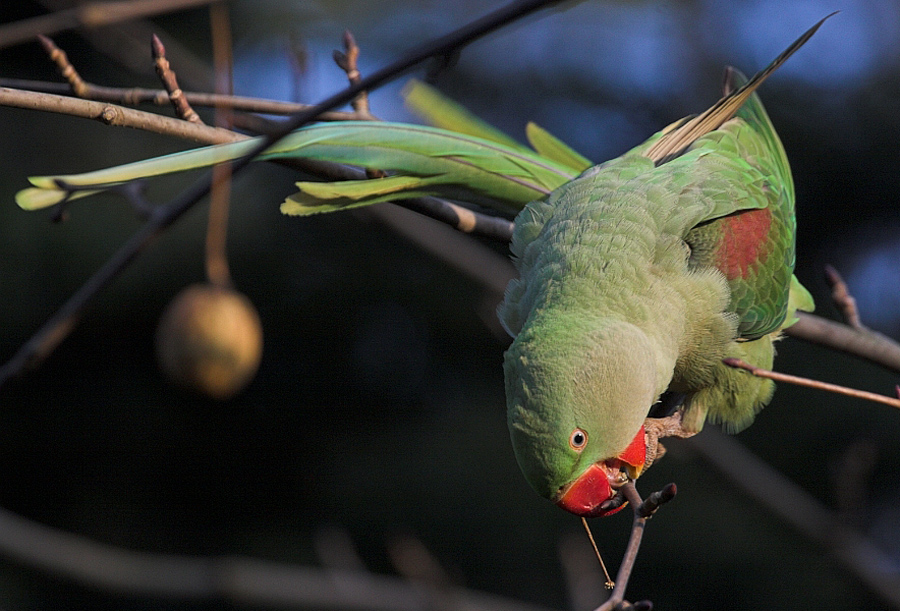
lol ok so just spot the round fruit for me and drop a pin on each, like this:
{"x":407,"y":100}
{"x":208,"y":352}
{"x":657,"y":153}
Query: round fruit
{"x":210,"y":339}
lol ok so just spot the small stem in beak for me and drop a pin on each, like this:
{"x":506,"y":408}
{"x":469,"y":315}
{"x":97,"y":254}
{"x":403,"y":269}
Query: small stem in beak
{"x":610,"y":584}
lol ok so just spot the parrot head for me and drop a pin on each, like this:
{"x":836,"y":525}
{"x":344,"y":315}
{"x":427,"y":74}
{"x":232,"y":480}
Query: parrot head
{"x":577,"y":397}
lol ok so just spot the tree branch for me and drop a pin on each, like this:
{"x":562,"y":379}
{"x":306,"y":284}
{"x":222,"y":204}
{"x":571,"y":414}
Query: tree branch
{"x":642,"y":509}
{"x":159,"y":97}
{"x":234,"y":579}
{"x":804,"y":513}
{"x":89,"y":15}
{"x":809,"y":383}
{"x":864,"y":343}
{"x":170,"y":83}
{"x":111,"y":114}
{"x":55,"y":329}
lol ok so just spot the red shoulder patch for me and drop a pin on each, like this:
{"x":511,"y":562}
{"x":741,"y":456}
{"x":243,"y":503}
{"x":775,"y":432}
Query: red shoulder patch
{"x":745,"y":242}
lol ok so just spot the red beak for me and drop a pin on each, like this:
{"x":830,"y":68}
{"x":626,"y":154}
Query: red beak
{"x":588,"y":495}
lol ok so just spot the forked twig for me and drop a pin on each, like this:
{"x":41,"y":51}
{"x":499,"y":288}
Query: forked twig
{"x":643,"y":509}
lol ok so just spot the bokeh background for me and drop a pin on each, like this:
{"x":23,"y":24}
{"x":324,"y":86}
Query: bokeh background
{"x":378,"y":411}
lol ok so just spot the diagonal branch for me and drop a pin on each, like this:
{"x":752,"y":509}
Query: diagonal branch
{"x":56,"y":328}
{"x":111,"y":114}
{"x":863,"y":343}
{"x":790,"y":503}
{"x":89,"y":15}
{"x":238,"y":580}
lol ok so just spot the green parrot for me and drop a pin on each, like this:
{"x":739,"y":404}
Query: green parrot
{"x":637,"y":277}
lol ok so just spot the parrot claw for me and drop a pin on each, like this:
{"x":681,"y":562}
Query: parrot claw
{"x":657,"y":428}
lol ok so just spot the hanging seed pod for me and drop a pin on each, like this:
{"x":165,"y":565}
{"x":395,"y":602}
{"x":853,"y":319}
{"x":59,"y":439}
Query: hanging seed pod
{"x":210,"y":339}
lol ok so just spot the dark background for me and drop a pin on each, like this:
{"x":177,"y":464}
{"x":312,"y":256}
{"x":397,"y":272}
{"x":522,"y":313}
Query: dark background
{"x":379,"y":405}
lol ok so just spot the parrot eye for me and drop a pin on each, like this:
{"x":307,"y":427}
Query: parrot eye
{"x":577,"y":440}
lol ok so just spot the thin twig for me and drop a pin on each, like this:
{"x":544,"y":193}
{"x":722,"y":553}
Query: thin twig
{"x":112,"y":114}
{"x":65,"y":67}
{"x":89,"y":15}
{"x":131,"y":96}
{"x":866,"y":344}
{"x":800,"y":381}
{"x":656,"y":499}
{"x":48,"y":336}
{"x":170,"y":82}
{"x":631,"y":552}
{"x":842,"y":298}
{"x":583,"y":578}
{"x":217,"y":269}
{"x":643,"y":510}
{"x":349,"y":63}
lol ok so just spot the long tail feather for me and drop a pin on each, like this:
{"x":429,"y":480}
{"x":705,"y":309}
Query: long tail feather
{"x":491,"y":170}
{"x":674,"y":142}
{"x":50,"y":190}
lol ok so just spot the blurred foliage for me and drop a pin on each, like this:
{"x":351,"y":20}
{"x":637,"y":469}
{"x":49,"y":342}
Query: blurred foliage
{"x":379,"y":404}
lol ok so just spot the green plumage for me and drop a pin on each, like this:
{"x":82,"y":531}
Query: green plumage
{"x":637,"y":277}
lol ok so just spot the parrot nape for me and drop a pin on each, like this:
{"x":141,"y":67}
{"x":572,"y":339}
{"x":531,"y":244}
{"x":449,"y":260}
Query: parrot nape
{"x":637,"y":277}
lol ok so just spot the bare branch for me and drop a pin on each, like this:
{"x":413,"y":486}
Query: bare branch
{"x":796,"y":507}
{"x":57,"y":327}
{"x":348,"y":62}
{"x":869,"y":345}
{"x":799,"y":381}
{"x":111,"y":114}
{"x":643,"y":509}
{"x":170,"y":82}
{"x":159,"y":97}
{"x":842,"y":298}
{"x":65,"y":67}
{"x":240,"y":580}
{"x":634,"y":544}
{"x":90,"y":15}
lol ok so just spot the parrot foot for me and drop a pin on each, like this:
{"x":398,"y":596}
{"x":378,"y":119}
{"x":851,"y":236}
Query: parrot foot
{"x":657,"y":428}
